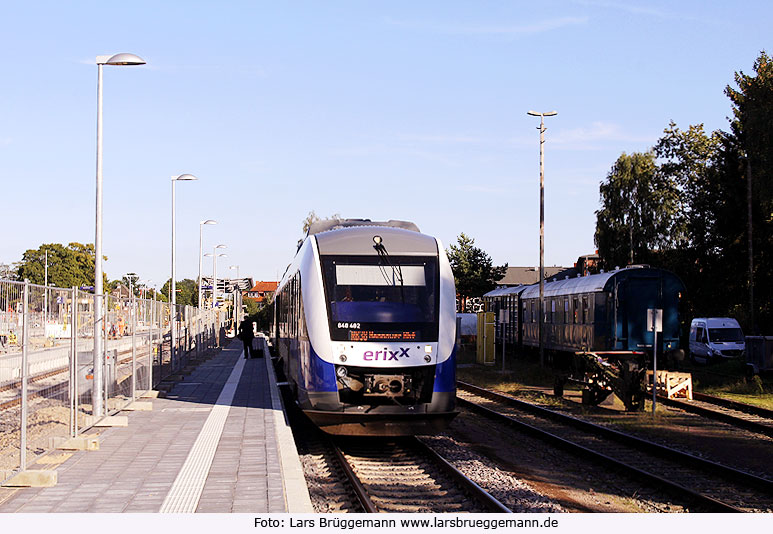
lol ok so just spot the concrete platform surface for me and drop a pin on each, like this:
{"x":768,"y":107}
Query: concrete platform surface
{"x":217,"y":443}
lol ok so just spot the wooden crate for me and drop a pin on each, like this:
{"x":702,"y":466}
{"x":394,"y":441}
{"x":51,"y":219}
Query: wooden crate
{"x":672,"y":384}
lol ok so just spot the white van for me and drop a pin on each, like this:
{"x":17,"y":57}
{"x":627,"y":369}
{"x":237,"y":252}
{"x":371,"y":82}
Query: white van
{"x":713,"y":338}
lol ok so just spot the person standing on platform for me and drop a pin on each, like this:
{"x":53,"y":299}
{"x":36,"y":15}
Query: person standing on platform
{"x":246,"y":335}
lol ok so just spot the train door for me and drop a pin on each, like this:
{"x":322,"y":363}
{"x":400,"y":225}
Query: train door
{"x":641,"y":294}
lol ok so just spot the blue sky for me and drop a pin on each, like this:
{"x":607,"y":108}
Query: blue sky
{"x":402,"y":110}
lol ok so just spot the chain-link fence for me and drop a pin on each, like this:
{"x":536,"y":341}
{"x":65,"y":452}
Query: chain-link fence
{"x":47,"y":360}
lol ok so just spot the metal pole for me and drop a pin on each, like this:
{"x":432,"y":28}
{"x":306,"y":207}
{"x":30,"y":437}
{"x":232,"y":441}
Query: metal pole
{"x":173,"y":295}
{"x":106,"y":386}
{"x":134,"y":345}
{"x":98,"y":362}
{"x":503,"y":342}
{"x":24,"y":369}
{"x":74,"y":363}
{"x":541,"y":228}
{"x":214,"y":278}
{"x":152,"y":347}
{"x":654,"y":366}
{"x":541,"y":239}
{"x":198,"y":302}
{"x":45,"y":296}
{"x":214,"y":295}
{"x":201,"y":242}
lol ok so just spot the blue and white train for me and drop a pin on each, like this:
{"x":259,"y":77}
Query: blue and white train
{"x":365,"y":327}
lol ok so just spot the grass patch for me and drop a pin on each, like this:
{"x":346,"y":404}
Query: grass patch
{"x":727,"y":379}
{"x":521,"y":375}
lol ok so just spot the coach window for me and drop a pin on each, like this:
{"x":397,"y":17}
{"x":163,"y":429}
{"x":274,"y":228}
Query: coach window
{"x":575,"y":310}
{"x":566,"y":310}
{"x":585,"y":310}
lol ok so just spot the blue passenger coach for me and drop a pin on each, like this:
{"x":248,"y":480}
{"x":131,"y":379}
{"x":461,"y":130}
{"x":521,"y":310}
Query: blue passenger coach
{"x":598,"y":312}
{"x":595,"y":327}
{"x":365,"y":328}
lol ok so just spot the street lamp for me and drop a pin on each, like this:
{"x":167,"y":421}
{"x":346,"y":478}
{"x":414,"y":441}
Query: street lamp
{"x":214,"y":283}
{"x":117,"y":59}
{"x":542,"y":226}
{"x":173,"y":296}
{"x":201,"y":226}
{"x":236,"y":288}
{"x":214,"y":271}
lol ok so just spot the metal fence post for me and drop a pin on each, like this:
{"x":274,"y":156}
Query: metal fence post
{"x":152,"y":347}
{"x":134,"y":347}
{"x":105,"y":386}
{"x":24,"y":400}
{"x":74,"y":363}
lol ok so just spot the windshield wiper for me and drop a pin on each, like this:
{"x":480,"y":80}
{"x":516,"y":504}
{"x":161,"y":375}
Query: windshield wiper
{"x":384,"y":255}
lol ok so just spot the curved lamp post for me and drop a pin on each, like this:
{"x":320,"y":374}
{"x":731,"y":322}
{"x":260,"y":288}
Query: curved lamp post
{"x":173,"y":296}
{"x":214,"y":271}
{"x":201,"y":227}
{"x":116,"y":59}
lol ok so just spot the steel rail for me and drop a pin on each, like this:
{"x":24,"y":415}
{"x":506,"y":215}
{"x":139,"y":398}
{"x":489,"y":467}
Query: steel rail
{"x":709,"y":413}
{"x":484,"y":497}
{"x":628,"y":439}
{"x":471,"y":488}
{"x":734,"y":405}
{"x":640,"y":444}
{"x":677,"y":489}
{"x":359,"y":489}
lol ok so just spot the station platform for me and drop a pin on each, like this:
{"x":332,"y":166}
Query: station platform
{"x":218,"y":443}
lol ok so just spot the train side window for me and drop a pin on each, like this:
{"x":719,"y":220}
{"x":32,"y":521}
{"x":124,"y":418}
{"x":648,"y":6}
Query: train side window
{"x":585,"y":310}
{"x":575,"y":310}
{"x":566,"y":310}
{"x":552,"y":311}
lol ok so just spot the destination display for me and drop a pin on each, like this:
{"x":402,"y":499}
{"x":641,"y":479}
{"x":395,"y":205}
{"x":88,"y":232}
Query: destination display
{"x":369,"y":335}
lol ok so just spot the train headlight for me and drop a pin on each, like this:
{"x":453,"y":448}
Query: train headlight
{"x":341,"y":372}
{"x":342,"y":357}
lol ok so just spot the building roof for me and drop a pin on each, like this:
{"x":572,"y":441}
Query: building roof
{"x":264,"y":286}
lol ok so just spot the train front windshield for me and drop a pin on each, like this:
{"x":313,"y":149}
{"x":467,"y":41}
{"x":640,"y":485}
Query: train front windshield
{"x":370,"y":298}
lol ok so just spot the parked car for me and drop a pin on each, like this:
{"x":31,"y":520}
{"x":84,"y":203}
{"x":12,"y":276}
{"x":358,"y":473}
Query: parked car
{"x":714,"y":338}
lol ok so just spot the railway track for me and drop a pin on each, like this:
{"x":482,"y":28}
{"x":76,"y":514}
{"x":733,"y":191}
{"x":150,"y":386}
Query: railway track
{"x":370,"y":475}
{"x":738,"y":414}
{"x":708,"y":486}
{"x":407,"y":475}
{"x":10,"y":394}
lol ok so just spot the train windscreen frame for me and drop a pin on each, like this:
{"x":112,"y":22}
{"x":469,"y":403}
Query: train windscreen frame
{"x":377,"y":299}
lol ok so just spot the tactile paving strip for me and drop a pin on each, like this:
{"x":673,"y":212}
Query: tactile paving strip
{"x":183,"y":497}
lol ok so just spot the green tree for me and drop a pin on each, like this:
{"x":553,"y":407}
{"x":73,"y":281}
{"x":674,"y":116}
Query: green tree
{"x":749,"y":154}
{"x":688,"y":159}
{"x":252,"y":307}
{"x":474,"y":271}
{"x":187,"y":291}
{"x":637,"y":211}
{"x":68,"y":266}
